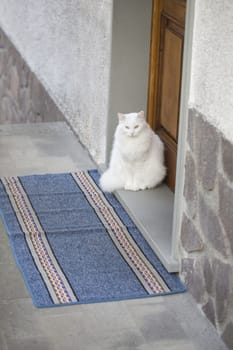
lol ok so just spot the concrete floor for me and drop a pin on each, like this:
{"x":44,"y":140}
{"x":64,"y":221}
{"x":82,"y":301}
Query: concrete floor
{"x":172,"y":322}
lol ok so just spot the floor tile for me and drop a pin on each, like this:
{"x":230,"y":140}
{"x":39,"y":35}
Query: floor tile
{"x":18,"y":319}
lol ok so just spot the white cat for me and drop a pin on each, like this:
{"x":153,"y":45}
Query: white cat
{"x":137,"y":159}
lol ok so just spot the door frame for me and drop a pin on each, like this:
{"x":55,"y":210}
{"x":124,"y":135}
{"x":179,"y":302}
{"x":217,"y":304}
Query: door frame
{"x":183,"y":124}
{"x":183,"y":113}
{"x":118,"y":97}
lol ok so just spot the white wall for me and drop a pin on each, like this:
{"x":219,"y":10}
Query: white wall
{"x":131,"y":29}
{"x":67,"y":44}
{"x":212,"y":63}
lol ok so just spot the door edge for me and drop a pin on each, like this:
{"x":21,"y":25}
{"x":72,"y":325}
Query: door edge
{"x":183,"y":119}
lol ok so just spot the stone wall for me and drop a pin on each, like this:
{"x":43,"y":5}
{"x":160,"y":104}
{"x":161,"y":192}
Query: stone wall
{"x":22,"y":97}
{"x":206,"y":242}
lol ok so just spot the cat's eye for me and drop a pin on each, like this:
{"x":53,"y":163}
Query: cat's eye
{"x":127,"y":127}
{"x":136,"y":126}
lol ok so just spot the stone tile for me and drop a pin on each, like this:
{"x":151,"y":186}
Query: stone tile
{"x":5,"y":106}
{"x":192,"y":115}
{"x":88,"y":316}
{"x":97,"y":326}
{"x":125,"y":339}
{"x":199,"y":331}
{"x":9,"y":64}
{"x":211,"y":227}
{"x":24,"y":75}
{"x":227,"y":335}
{"x":6,"y":256}
{"x":51,"y":111}
{"x":47,"y":130}
{"x":206,"y":150}
{"x":198,"y":284}
{"x":29,"y":343}
{"x":190,"y":186}
{"x":1,"y":88}
{"x":12,"y":288}
{"x":40,"y":151}
{"x":155,"y":322}
{"x":13,"y":53}
{"x":76,"y":340}
{"x":226,"y":208}
{"x":208,"y":275}
{"x":190,"y":238}
{"x":18,"y":319}
{"x":208,"y":309}
{"x":223,"y":288}
{"x":187,"y":266}
{"x":2,"y":43}
{"x":192,"y":272}
{"x":14,"y":82}
{"x":170,"y":344}
{"x":96,"y":313}
{"x":24,"y":100}
{"x":2,"y":59}
{"x":3,"y":343}
{"x":227,"y":158}
{"x":38,"y":94}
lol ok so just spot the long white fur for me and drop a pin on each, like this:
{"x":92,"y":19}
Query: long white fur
{"x":137,"y":158}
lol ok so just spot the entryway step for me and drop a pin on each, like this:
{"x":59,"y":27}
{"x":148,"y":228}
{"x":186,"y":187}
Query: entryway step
{"x":152,"y":211}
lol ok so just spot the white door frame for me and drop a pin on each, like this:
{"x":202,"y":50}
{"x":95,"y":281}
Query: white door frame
{"x":116,"y":99}
{"x":183,"y":121}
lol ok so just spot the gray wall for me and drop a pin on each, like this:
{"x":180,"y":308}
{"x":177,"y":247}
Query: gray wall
{"x":67,"y":45}
{"x":130,"y":60}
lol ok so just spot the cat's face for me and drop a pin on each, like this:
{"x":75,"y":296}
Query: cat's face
{"x":131,"y":124}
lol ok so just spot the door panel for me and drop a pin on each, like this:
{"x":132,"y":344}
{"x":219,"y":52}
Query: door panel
{"x":165,"y":77}
{"x":170,"y":82}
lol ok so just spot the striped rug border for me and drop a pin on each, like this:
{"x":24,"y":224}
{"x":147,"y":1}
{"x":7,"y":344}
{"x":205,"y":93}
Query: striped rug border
{"x":146,"y":273}
{"x":58,"y":286}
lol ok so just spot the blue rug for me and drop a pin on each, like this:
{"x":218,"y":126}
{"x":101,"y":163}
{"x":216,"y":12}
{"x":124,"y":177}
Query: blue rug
{"x":75,"y":244}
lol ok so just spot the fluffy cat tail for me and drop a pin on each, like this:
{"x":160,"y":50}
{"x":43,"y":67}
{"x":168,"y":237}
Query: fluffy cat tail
{"x":108,"y":182}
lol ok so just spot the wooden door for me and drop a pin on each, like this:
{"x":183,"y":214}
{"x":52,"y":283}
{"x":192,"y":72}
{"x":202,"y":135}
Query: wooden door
{"x":167,"y":38}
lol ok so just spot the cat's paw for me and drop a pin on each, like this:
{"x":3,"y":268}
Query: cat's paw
{"x":143,"y":187}
{"x":136,"y":187}
{"x":131,"y":187}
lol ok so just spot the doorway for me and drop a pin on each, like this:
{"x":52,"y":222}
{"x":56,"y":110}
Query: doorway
{"x":157,"y":212}
{"x":166,"y":59}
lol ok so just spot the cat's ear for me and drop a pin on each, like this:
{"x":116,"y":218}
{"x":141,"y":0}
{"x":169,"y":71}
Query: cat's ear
{"x":121,"y":117}
{"x":141,"y":115}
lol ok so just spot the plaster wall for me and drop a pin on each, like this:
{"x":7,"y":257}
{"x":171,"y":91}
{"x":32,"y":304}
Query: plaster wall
{"x":131,"y":28}
{"x":212,"y":69}
{"x":67,"y":45}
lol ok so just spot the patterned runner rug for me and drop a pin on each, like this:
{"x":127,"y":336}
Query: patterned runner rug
{"x":75,"y":244}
